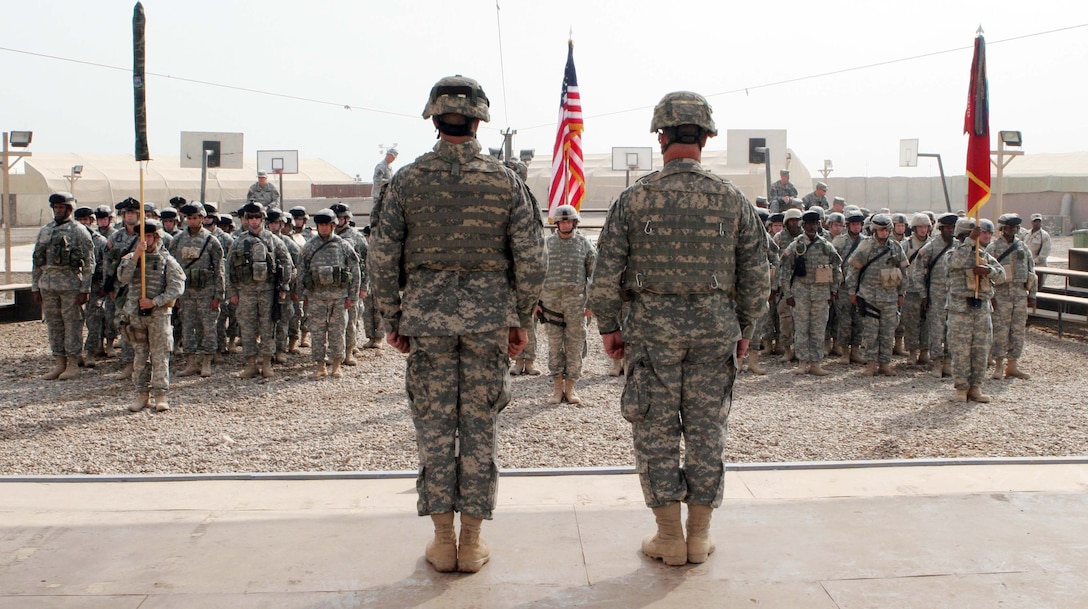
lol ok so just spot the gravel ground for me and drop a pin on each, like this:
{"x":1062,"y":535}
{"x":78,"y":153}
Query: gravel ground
{"x":293,"y":423}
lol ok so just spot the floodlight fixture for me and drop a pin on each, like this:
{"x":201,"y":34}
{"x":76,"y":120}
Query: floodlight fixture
{"x":77,"y":170}
{"x":527,"y":155}
{"x":1011,"y":138}
{"x":20,"y":139}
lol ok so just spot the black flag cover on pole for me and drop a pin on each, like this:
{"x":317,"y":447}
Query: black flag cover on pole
{"x":138,"y":90}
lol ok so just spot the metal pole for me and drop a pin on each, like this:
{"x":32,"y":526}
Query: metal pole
{"x":7,"y":216}
{"x":203,"y":176}
{"x":627,"y":180}
{"x":767,"y":169}
{"x":282,"y":202}
{"x":944,"y":183}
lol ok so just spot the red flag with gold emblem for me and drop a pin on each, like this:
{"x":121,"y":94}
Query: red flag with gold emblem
{"x":976,"y":124}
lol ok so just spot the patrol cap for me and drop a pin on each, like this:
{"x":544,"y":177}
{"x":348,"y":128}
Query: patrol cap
{"x":152,"y":226}
{"x":791,"y":214}
{"x":821,"y":186}
{"x":1035,"y":217}
{"x":297,"y":211}
{"x":776,"y":217}
{"x":986,"y":226}
{"x":683,"y":108}
{"x":834,"y":217}
{"x":1009,"y":220}
{"x":324,"y":216}
{"x":838,"y":200}
{"x":274,"y":215}
{"x":261,"y":174}
{"x":458,"y":95}
{"x":855,"y":216}
{"x":761,"y":199}
{"x":253,"y":208}
{"x":169,"y":214}
{"x":783,"y":172}
{"x":177,"y":201}
{"x":964,"y":225}
{"x":83,"y":212}
{"x":103,"y":211}
{"x":193,"y":209}
{"x":341,"y":210}
{"x":59,"y":198}
{"x":394,"y":152}
{"x":947,"y":219}
{"x":810,"y":216}
{"x":128,"y":204}
{"x":920,"y":219}
{"x":796,"y":203}
{"x":881,"y":220}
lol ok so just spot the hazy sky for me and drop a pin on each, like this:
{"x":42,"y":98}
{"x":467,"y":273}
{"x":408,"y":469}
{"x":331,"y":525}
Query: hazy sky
{"x":381,"y":58}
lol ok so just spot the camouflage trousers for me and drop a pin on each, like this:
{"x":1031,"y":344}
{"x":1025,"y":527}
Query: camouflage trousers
{"x":94,"y":312}
{"x":915,"y":335}
{"x":850,"y":325}
{"x":199,"y":321}
{"x":255,"y":320}
{"x":1010,"y":321}
{"x":529,"y":352}
{"x":227,"y":324}
{"x":809,"y":326}
{"x":785,"y":323}
{"x":355,"y":315}
{"x":937,"y":329}
{"x":109,"y":325}
{"x":457,"y":385}
{"x":970,"y":334}
{"x":283,"y":324}
{"x":63,"y":321}
{"x":672,"y":393}
{"x":878,"y":335}
{"x":153,"y":340}
{"x":373,"y":324}
{"x":566,"y":344}
{"x":327,"y":321}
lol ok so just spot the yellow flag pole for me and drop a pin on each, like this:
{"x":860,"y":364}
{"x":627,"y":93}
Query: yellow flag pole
{"x":143,"y":265}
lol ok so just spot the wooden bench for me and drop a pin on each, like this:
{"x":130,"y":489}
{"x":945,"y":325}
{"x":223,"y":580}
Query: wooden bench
{"x":20,"y":306}
{"x":1068,"y":299}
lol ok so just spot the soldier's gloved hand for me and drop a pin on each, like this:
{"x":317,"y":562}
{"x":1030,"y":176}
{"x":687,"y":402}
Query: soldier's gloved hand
{"x":214,"y":306}
{"x":37,"y":297}
{"x":613,"y":345}
{"x":400,"y":343}
{"x":791,"y":302}
{"x":82,"y":298}
{"x":982,"y":270}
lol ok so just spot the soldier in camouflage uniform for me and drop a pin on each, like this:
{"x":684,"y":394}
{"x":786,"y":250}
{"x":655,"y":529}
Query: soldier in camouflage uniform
{"x":121,"y":243}
{"x":791,"y":229}
{"x":94,"y":312}
{"x":200,"y":255}
{"x":328,"y":273}
{"x":763,"y":332}
{"x":284,"y":340}
{"x":146,"y":315}
{"x":299,"y":232}
{"x":262,"y":191}
{"x":103,"y":217}
{"x":257,"y":268}
{"x":345,"y":231}
{"x":811,"y":275}
{"x":929,"y":277}
{"x":1012,"y":298}
{"x":686,"y":250}
{"x":169,"y":219}
{"x":383,"y":172}
{"x":875,"y":276}
{"x":781,"y":193}
{"x":849,"y":326}
{"x":817,"y":197}
{"x":913,"y":324}
{"x":63,"y":265}
{"x":524,"y":363}
{"x":563,"y":302}
{"x":458,"y":263}
{"x":373,"y":326}
{"x":971,"y":276}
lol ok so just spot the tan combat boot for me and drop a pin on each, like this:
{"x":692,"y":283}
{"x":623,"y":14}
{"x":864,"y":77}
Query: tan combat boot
{"x":836,"y":349}
{"x":668,"y":543}
{"x":206,"y":366}
{"x":126,"y":371}
{"x":107,"y":349}
{"x":266,"y":367}
{"x":855,"y":355}
{"x":250,"y":370}
{"x":530,"y":368}
{"x":898,"y":348}
{"x":912,"y":357}
{"x":334,"y":369}
{"x":304,"y":341}
{"x":802,"y":367}
{"x":923,"y":357}
{"x":870,"y":368}
{"x":998,"y":373}
{"x":753,"y":364}
{"x":292,"y":346}
{"x":60,"y":363}
{"x":568,"y":391}
{"x":788,"y":356}
{"x":280,"y":357}
{"x":815,"y":369}
{"x":472,"y":551}
{"x":961,"y":395}
{"x":888,"y":370}
{"x":349,"y":358}
{"x":442,"y":550}
{"x":518,"y":368}
{"x":617,"y":368}
{"x":847,"y":356}
{"x":1013,"y":371}
{"x":700,"y":543}
{"x":975,"y":393}
{"x":321,"y":371}
{"x":946,"y":366}
{"x":143,"y":400}
{"x":161,"y":403}
{"x":192,"y":366}
{"x":375,"y":342}
{"x":71,"y":371}
{"x":557,"y":391}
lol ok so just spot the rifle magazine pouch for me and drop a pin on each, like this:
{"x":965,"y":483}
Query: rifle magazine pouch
{"x":822,"y":274}
{"x":326,"y":275}
{"x":977,"y":282}
{"x":1009,"y":273}
{"x":890,"y":278}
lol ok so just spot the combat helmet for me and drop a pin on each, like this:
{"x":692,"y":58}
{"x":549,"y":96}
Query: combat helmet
{"x":566,"y":212}
{"x":65,"y":198}
{"x":458,"y":95}
{"x":683,"y":108}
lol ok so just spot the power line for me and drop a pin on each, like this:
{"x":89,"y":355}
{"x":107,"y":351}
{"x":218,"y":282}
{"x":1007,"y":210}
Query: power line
{"x":502,"y":65}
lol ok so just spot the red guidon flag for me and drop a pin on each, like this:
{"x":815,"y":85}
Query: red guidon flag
{"x":568,"y":172}
{"x":976,"y":124}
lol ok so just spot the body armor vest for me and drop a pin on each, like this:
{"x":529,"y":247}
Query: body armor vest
{"x":59,"y":248}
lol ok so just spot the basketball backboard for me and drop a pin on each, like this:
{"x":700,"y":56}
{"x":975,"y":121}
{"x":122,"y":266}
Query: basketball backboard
{"x":226,"y":149}
{"x":277,"y":161}
{"x":632,"y":159}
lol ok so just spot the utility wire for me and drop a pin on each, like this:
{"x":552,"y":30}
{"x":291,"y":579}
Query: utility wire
{"x":502,"y":66}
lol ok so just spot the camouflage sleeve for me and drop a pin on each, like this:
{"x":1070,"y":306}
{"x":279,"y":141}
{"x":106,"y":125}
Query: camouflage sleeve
{"x":854,"y":264}
{"x":126,"y":270}
{"x":215,"y":254}
{"x":283,"y":260}
{"x":86,"y":250}
{"x":785,"y":273}
{"x":997,"y":272}
{"x":591,"y":261}
{"x":917,"y":271}
{"x":304,"y":257}
{"x":525,"y":234}
{"x":386,"y":255}
{"x":229,"y":289}
{"x":357,"y":279}
{"x":606,"y":288}
{"x":36,"y":269}
{"x":836,"y":268}
{"x":362,"y":255}
{"x":753,"y":282}
{"x":175,"y":282}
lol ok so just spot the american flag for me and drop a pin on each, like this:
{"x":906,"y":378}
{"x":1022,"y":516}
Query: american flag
{"x":977,"y":123}
{"x":568,"y":173}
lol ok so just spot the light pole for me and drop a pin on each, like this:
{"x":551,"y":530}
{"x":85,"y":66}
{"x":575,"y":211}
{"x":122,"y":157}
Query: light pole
{"x":1004,"y":138}
{"x":73,"y":177}
{"x":766,"y":152}
{"x":17,"y":139}
{"x":828,"y":168}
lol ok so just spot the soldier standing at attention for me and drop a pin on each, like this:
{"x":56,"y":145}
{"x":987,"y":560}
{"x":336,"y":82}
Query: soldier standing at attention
{"x":563,"y":302}
{"x":63,"y":265}
{"x":200,"y":255}
{"x":875,"y":277}
{"x":971,"y":275}
{"x":929,"y":275}
{"x":258,"y":268}
{"x":94,"y":312}
{"x":147,"y":315}
{"x":1012,"y":298}
{"x":347,"y":232}
{"x":284,"y":341}
{"x":120,"y":243}
{"x":262,"y":191}
{"x":458,"y":263}
{"x":913,"y":324}
{"x":329,"y":274}
{"x":685,"y":249}
{"x":848,"y":321}
{"x":811,"y":275}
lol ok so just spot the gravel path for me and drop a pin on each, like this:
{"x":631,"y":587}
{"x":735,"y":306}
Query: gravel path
{"x":293,"y":423}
